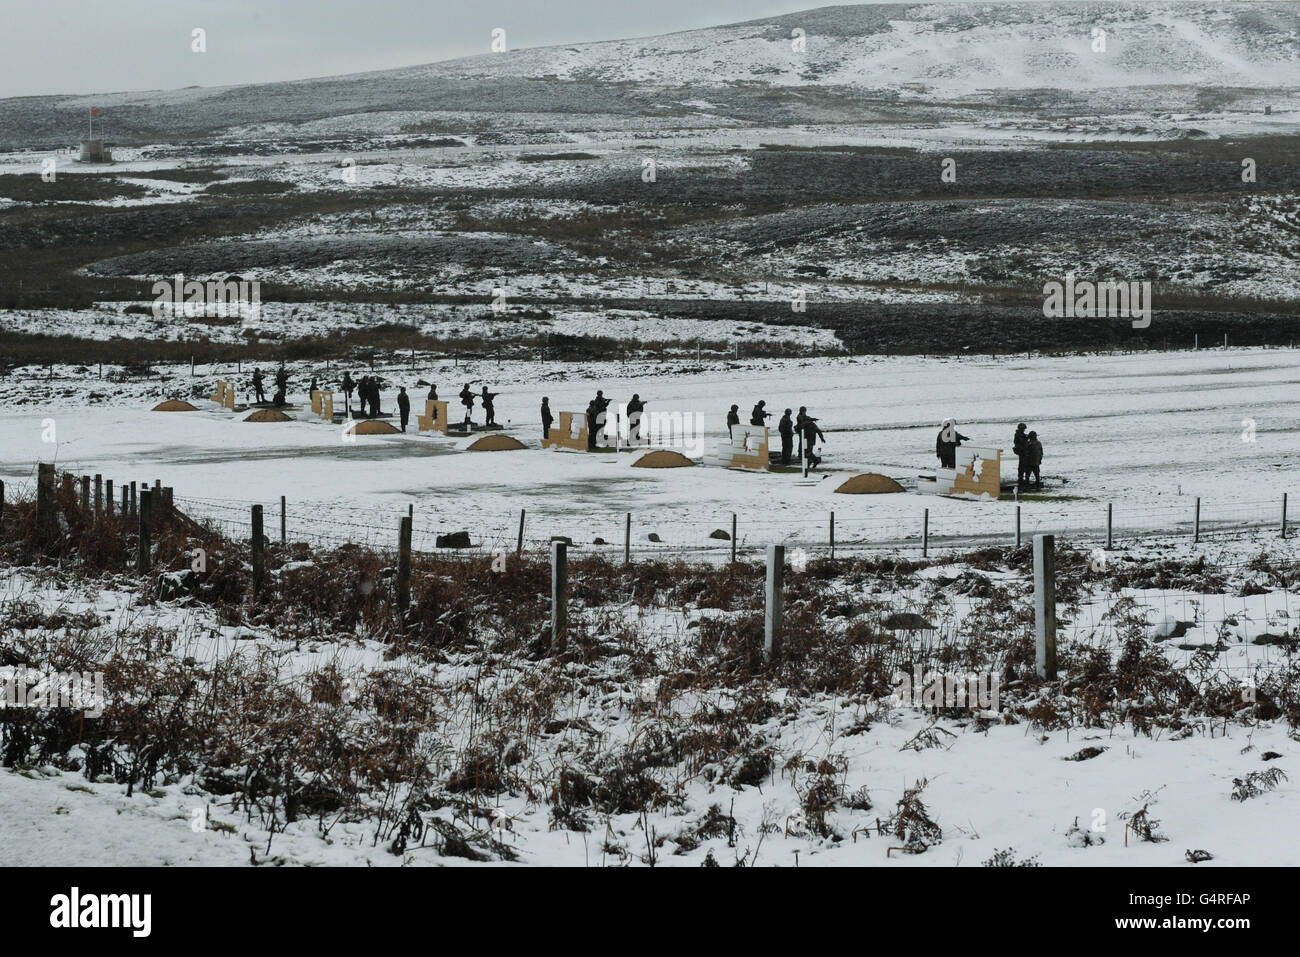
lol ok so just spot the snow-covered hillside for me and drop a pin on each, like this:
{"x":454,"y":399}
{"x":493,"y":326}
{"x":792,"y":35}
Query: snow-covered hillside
{"x":947,"y":49}
{"x":843,"y":65}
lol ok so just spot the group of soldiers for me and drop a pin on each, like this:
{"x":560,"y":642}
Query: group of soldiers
{"x":281,"y":386}
{"x":467,"y":396}
{"x":1028,"y":451}
{"x":367,"y":390}
{"x":595,"y":408}
{"x":802,"y":425}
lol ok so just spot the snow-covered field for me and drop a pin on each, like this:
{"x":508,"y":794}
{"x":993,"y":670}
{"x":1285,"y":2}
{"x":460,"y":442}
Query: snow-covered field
{"x":1146,"y":433}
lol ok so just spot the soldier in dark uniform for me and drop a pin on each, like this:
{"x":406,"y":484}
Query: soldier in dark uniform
{"x":547,"y":418}
{"x":798,"y":427}
{"x":786,"y":428}
{"x":257,"y":386}
{"x":945,"y":446}
{"x":467,"y":400}
{"x":757,"y":416}
{"x":594,"y":413}
{"x":811,"y":433}
{"x":489,"y":411}
{"x":1035,"y":454}
{"x":593,"y":410}
{"x":348,"y":385}
{"x":1020,"y":447}
{"x":733,"y":418}
{"x":403,"y":406}
{"x":635,"y":407}
{"x":281,"y":381}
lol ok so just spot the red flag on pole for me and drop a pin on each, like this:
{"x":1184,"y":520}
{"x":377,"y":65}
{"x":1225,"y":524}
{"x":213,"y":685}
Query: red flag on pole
{"x":94,"y":111}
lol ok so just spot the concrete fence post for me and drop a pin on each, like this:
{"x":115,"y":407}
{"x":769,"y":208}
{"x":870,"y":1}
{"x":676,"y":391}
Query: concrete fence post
{"x":1045,"y":606}
{"x":774,"y":606}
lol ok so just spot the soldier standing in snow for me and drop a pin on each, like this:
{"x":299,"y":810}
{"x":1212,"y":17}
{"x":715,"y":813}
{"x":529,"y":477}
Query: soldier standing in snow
{"x":1035,"y":449}
{"x":403,"y":406}
{"x":489,"y":411}
{"x":811,"y":433}
{"x":467,"y":400}
{"x":1020,"y":447}
{"x":547,"y":418}
{"x":348,"y":385}
{"x":786,"y":428}
{"x":757,"y":416}
{"x":634,"y":408}
{"x":945,"y":446}
{"x":257,"y":386}
{"x":733,"y":418}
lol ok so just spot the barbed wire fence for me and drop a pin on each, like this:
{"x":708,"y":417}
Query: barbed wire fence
{"x":660,"y":533}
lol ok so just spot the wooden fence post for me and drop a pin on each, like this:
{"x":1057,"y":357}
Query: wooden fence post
{"x":259,"y":563}
{"x":135,"y":507}
{"x":832,"y":534}
{"x":47,"y":521}
{"x":1017,"y":526}
{"x":1284,"y":514}
{"x":108,"y":497}
{"x":1045,"y":606}
{"x":1196,"y":522}
{"x":627,"y":540}
{"x":85,"y":495}
{"x":142,"y":556}
{"x":925,"y":534}
{"x":559,"y":594}
{"x":733,"y":538}
{"x":126,"y":504}
{"x":99,"y":495}
{"x":283,"y":538}
{"x":1110,"y":506}
{"x":519,"y":544}
{"x":404,"y":566}
{"x":774,"y":606}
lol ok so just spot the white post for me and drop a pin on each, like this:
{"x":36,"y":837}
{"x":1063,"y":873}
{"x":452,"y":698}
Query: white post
{"x":1045,"y":606}
{"x":774,"y":609}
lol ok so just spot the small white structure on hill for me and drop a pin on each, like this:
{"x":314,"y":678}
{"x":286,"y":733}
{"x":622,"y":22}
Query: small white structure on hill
{"x":95,"y":151}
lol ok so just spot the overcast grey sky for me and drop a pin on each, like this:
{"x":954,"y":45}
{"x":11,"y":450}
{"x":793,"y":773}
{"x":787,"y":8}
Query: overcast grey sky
{"x":97,"y":46}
